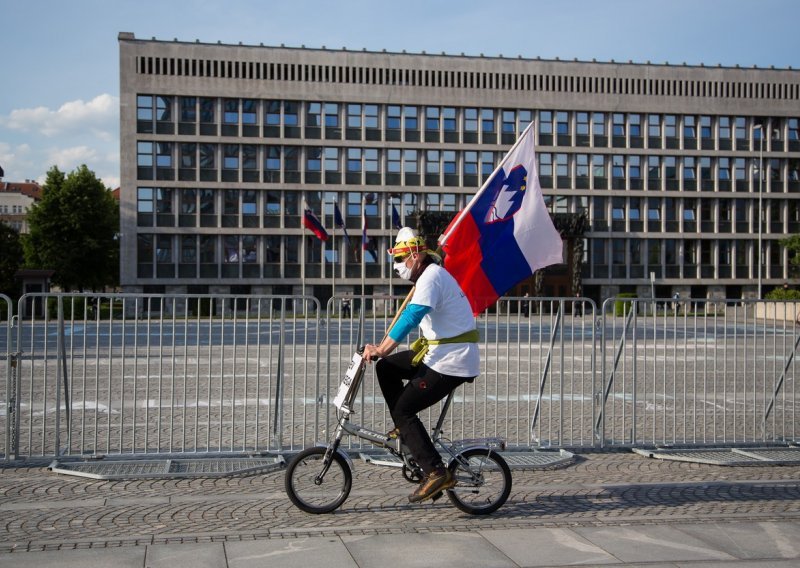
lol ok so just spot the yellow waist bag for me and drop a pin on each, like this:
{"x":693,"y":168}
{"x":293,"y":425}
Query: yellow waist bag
{"x":420,"y":346}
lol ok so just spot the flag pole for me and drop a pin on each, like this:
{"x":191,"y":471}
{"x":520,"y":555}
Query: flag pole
{"x":363,"y":249}
{"x":457,"y":221}
{"x":391,"y":263}
{"x":335,"y":250}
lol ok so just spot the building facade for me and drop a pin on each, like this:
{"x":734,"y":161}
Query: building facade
{"x":15,"y":199}
{"x":224,"y":146}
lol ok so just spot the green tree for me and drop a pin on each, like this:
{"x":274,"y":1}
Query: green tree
{"x":11,"y":257}
{"x":792,"y":244}
{"x":73,"y":231}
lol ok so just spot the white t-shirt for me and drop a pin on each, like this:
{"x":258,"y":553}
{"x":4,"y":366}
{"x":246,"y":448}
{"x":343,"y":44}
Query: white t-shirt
{"x":450,"y":315}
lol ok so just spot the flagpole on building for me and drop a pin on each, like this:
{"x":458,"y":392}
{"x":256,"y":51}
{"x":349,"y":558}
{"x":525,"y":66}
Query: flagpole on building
{"x":363,"y":246}
{"x":443,"y":238}
{"x":335,"y":249}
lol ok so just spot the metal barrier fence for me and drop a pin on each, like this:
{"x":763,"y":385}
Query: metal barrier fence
{"x":8,"y":367}
{"x":147,"y":374}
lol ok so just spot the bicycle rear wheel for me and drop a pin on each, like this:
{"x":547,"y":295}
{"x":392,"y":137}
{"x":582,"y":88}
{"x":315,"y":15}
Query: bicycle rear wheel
{"x":483,"y":481}
{"x":307,"y":491}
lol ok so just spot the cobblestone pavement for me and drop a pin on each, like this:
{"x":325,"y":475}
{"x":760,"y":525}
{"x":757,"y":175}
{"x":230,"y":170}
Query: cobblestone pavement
{"x":44,"y":511}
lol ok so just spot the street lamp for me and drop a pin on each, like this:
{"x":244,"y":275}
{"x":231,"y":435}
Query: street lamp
{"x":760,"y":128}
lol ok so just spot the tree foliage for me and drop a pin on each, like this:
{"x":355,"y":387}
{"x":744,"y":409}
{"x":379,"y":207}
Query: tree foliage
{"x":11,"y":257}
{"x":792,"y":244}
{"x":73,"y":231}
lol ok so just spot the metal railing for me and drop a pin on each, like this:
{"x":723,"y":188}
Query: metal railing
{"x":119,"y":374}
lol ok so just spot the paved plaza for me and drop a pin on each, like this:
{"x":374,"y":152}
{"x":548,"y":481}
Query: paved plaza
{"x":604,"y":508}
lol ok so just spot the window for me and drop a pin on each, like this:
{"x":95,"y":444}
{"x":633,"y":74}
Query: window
{"x":545,"y":164}
{"x":599,"y":165}
{"x":487,"y":163}
{"x":740,"y":167}
{"x":144,"y":107}
{"x":331,"y":115}
{"x":164,"y":155}
{"x":689,"y":127}
{"x":724,"y":128}
{"x":487,"y":120}
{"x":393,"y":117}
{"x":231,"y":158}
{"x":705,"y":127}
{"x":249,"y":202}
{"x":449,"y":119}
{"x":410,"y":118}
{"x":449,"y":158}
{"x":618,"y":125}
{"x":654,"y":126}
{"x":634,"y":209}
{"x":470,"y":163}
{"x":354,"y":159}
{"x":314,"y":115}
{"x":272,"y":203}
{"x":410,"y":162}
{"x":705,"y":168}
{"x":618,"y":167}
{"x":582,"y":165}
{"x":371,"y":163}
{"x":689,"y":210}
{"x":794,"y":133}
{"x":635,"y":122}
{"x":290,"y":113}
{"x":230,"y":111}
{"x":471,"y":120}
{"x":545,"y":122}
{"x":313,"y":158}
{"x":509,"y":122}
{"x":635,"y":167}
{"x":207,"y":110}
{"x":393,"y":157}
{"x":670,"y":167}
{"x":188,"y":249}
{"x":188,"y":109}
{"x":331,"y":157}
{"x":562,"y":123}
{"x":562,"y":165}
{"x":432,"y":118}
{"x":272,"y":159}
{"x":144,"y":200}
{"x":689,"y":168}
{"x":670,"y":126}
{"x":188,"y":201}
{"x":724,"y":169}
{"x":371,"y":116}
{"x":741,"y":127}
{"x":654,"y":209}
{"x":249,"y":111}
{"x":188,"y":158}
{"x":207,"y":156}
{"x":582,"y":124}
{"x":599,"y":124}
{"x":353,"y":116}
{"x":249,"y":157}
{"x":144,"y":154}
{"x":272,"y":117}
{"x":653,"y":167}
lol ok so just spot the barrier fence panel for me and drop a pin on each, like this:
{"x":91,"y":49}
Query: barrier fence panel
{"x":537,"y":368}
{"x":697,"y":372}
{"x":137,"y":374}
{"x":8,"y":374}
{"x":107,"y":374}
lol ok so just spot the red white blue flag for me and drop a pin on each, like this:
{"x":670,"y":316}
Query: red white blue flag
{"x":311,"y":223}
{"x":505,"y":233}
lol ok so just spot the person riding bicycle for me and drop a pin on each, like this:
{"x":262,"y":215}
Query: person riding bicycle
{"x":445,"y":356}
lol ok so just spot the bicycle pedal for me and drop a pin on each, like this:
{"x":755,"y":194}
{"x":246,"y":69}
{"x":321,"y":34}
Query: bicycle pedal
{"x":436,"y":496}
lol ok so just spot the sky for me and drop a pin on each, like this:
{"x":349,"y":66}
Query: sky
{"x":59,"y":76}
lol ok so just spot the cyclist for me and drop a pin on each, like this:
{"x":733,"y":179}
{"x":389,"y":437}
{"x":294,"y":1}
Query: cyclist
{"x":445,"y":356}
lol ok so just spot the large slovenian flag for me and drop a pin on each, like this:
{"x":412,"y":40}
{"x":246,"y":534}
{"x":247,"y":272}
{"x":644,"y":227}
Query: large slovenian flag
{"x":311,"y":223}
{"x":505,"y":233}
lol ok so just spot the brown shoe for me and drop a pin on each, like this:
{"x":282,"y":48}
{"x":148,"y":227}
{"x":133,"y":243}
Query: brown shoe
{"x":433,"y":483}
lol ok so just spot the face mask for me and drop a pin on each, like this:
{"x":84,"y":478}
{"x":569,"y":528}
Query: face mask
{"x":402,"y":270}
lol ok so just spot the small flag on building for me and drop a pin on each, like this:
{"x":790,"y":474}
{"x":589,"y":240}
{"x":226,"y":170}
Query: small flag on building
{"x":312,"y":223}
{"x":339,"y":221}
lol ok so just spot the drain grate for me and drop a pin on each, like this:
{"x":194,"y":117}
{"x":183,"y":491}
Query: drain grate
{"x":727,"y":456}
{"x":515,"y":460}
{"x":108,"y":469}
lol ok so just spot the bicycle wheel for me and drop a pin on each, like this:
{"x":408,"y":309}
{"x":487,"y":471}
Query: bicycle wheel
{"x":483,"y":481}
{"x":302,"y":484}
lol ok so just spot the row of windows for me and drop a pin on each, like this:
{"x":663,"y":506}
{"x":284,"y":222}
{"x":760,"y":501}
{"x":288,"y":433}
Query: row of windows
{"x":417,"y":77}
{"x":12,"y":209}
{"x":276,"y":256}
{"x":287,"y":119}
{"x":167,"y":207}
{"x":282,"y":164}
{"x":683,"y":258}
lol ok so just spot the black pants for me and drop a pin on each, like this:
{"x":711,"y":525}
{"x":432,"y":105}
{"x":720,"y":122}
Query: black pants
{"x":424,"y":387}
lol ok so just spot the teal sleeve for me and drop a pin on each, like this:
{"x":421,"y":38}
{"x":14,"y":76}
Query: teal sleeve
{"x":408,"y":320}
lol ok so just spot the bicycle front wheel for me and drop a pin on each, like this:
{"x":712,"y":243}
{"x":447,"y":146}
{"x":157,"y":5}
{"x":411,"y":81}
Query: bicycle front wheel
{"x":311,"y":493}
{"x":483,"y":481}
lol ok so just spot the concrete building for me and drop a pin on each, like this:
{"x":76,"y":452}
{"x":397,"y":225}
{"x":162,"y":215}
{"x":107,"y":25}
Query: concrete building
{"x":15,"y":199}
{"x":223,"y":146}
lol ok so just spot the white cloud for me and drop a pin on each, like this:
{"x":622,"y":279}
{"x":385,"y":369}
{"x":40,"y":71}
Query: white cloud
{"x":100,"y":116}
{"x":67,"y":159}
